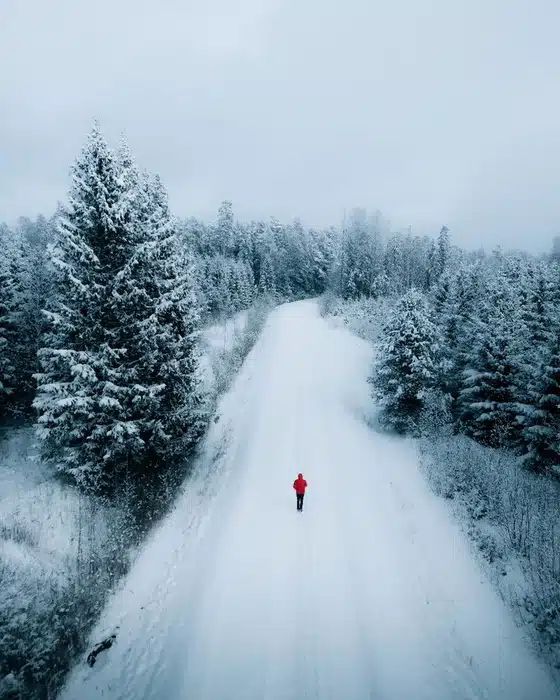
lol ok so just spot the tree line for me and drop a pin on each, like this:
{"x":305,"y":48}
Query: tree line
{"x":101,"y":307}
{"x":481,"y":352}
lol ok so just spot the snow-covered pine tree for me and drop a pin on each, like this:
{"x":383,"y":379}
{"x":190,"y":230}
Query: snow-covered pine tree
{"x":277,"y":254}
{"x":242,"y":243}
{"x":25,"y":258}
{"x":432,"y":267}
{"x":542,"y":420}
{"x":247,"y":289}
{"x":457,"y":307}
{"x":258,"y":246}
{"x":393,"y":263}
{"x":357,"y":260}
{"x":321,"y":250}
{"x":81,"y":381}
{"x":208,"y":279}
{"x":27,"y":272}
{"x":443,"y":250}
{"x":223,"y":230}
{"x":447,"y":316}
{"x":381,"y":286}
{"x":538,"y":309}
{"x":297,"y":258}
{"x":487,"y":400}
{"x":376,"y":226}
{"x":154,"y":296}
{"x":267,"y":282}
{"x":227,"y":292}
{"x":195,"y":237}
{"x":555,"y":252}
{"x":407,"y":366}
{"x":8,"y":294}
{"x":241,"y":286}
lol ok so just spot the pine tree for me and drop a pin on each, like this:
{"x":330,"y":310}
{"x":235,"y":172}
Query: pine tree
{"x":432,"y":267}
{"x":393,"y":264}
{"x":381,"y":286}
{"x":80,"y":384}
{"x":538,"y":324}
{"x":8,"y":370}
{"x":443,"y":250}
{"x":555,"y":252}
{"x":120,"y":385}
{"x":408,"y":363}
{"x":267,"y":283}
{"x":248,"y":290}
{"x":457,"y":317}
{"x":321,"y":253}
{"x":25,"y":331}
{"x":360,"y":257}
{"x":258,"y":249}
{"x":242,"y":243}
{"x":542,"y":431}
{"x":165,"y":410}
{"x":224,"y":230}
{"x":488,"y":397}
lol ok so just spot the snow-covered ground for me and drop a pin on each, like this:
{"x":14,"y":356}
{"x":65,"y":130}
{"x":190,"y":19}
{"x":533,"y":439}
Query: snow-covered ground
{"x":221,"y":336}
{"x":38,"y":515}
{"x":371,"y":592}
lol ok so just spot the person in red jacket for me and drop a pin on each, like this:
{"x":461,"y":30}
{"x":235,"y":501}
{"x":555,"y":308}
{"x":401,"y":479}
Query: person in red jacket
{"x":300,"y":484}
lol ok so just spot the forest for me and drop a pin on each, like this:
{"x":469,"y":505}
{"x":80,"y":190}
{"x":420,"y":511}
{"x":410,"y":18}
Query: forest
{"x":103,"y":309}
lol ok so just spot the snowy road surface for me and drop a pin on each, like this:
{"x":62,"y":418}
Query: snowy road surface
{"x":371,"y":592}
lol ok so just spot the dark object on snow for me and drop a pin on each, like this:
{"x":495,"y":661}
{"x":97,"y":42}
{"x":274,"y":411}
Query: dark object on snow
{"x":300,"y":484}
{"x":105,"y":644}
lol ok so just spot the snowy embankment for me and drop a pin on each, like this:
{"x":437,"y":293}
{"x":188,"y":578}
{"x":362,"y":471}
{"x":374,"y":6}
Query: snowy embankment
{"x":510,"y":515}
{"x":219,"y":341}
{"x":60,"y":550}
{"x":50,"y":538}
{"x":371,"y":592}
{"x":39,"y":516}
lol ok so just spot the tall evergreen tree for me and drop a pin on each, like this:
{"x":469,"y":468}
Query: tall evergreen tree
{"x":267,"y":282}
{"x":79,"y":385}
{"x":488,"y":397}
{"x":224,"y":230}
{"x":408,"y":363}
{"x":8,"y":300}
{"x":542,"y":424}
{"x":443,"y":250}
{"x":165,"y":411}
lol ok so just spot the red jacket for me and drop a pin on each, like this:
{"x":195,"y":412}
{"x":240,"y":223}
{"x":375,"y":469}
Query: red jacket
{"x":300,"y":484}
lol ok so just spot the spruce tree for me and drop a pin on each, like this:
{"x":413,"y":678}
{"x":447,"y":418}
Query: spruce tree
{"x":267,"y":282}
{"x":487,"y":400}
{"x":80,"y":383}
{"x":159,"y":315}
{"x":223,"y":232}
{"x":443,"y":251}
{"x":542,"y":420}
{"x":408,"y":363}
{"x":8,"y":369}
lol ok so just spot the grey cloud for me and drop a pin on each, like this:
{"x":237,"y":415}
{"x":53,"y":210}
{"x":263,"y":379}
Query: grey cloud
{"x":435,"y":112}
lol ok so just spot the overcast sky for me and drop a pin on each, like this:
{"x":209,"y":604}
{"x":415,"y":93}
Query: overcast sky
{"x":433,"y":111}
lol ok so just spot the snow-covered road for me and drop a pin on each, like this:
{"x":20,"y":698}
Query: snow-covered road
{"x":371,"y":592}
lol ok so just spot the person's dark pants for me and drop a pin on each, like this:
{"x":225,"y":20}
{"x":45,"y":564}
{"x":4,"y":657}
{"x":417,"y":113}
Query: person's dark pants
{"x":299,"y":497}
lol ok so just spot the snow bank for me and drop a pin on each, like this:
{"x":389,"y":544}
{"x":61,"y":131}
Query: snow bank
{"x":364,"y":317}
{"x":55,"y":549}
{"x":61,"y":551}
